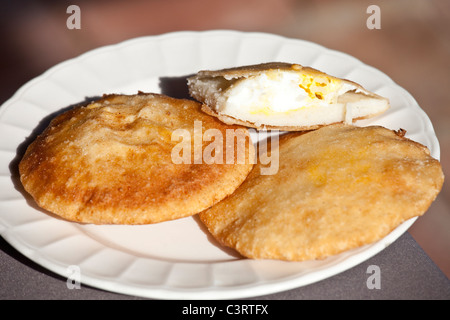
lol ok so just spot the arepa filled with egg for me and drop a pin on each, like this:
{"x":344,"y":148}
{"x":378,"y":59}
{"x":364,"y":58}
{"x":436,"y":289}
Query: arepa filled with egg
{"x":282,"y":96}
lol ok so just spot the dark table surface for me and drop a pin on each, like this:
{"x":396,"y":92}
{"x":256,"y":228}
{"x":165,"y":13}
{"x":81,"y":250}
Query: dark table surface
{"x":405,"y":272}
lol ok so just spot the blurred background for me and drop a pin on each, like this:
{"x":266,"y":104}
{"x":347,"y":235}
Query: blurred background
{"x":412,"y":47}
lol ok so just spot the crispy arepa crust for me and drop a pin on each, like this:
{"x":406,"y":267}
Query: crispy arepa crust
{"x":233,"y":121}
{"x":337,"y":188}
{"x":110,"y":162}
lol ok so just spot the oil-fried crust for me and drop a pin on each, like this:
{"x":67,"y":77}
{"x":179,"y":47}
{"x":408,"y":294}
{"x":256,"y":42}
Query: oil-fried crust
{"x":257,"y":69}
{"x":233,"y":121}
{"x":337,"y":188}
{"x":110,"y":162}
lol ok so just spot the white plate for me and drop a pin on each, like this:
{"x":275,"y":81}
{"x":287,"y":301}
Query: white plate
{"x":177,"y":259}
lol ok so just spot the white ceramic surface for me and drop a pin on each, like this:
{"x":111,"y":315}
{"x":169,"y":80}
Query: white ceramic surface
{"x":176,"y":259}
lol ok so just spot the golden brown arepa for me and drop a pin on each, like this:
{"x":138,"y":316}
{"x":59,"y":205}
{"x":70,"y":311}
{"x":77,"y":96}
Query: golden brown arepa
{"x":283,"y":96}
{"x":111,"y":162}
{"x":337,"y":188}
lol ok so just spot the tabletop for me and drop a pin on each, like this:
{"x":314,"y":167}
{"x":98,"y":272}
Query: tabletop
{"x":401,"y":271}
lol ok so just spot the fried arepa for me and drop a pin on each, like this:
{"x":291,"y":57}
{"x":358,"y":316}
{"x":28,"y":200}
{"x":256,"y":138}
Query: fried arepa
{"x":110,"y":162}
{"x":283,"y":96}
{"x":337,"y":188}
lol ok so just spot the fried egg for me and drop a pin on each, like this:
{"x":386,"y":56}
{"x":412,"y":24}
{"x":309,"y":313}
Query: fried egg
{"x":281,"y":95}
